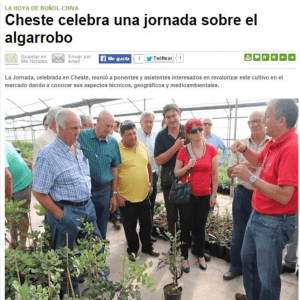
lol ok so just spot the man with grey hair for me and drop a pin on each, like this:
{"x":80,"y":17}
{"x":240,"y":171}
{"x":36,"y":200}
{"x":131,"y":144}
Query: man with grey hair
{"x":48,"y":136}
{"x":62,"y":184}
{"x":243,"y":193}
{"x":275,"y":201}
{"x":86,"y":122}
{"x":147,"y":136}
{"x":103,"y":153}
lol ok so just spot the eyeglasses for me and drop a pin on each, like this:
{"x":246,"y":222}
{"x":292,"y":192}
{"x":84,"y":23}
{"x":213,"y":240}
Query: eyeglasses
{"x":252,"y":122}
{"x":195,"y":130}
{"x":207,"y":124}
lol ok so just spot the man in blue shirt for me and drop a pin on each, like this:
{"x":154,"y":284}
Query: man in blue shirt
{"x":104,"y":157}
{"x":62,"y":184}
{"x":214,"y":140}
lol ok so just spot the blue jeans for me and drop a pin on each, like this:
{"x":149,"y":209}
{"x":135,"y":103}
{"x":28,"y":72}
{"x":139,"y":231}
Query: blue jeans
{"x":241,"y":212}
{"x":69,"y":223}
{"x":264,"y":240}
{"x":115,"y":216}
{"x":291,"y":257}
{"x":101,"y":200}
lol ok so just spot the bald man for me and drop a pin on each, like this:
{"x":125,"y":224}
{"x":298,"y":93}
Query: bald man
{"x":104,"y":157}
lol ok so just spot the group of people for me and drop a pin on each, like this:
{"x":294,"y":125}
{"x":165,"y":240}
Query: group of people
{"x":84,"y":172}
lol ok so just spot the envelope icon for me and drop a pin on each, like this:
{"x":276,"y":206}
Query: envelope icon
{"x":58,"y":58}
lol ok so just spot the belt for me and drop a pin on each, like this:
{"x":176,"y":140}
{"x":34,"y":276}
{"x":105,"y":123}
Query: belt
{"x":99,"y":188}
{"x":246,"y":190}
{"x":73,"y":203}
{"x":283,"y":215}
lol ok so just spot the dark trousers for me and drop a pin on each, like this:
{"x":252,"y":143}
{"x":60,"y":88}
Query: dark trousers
{"x":130,"y":213}
{"x":241,"y":209}
{"x":172,"y":210}
{"x":200,"y":208}
{"x":185,"y":213}
{"x":153,"y":196}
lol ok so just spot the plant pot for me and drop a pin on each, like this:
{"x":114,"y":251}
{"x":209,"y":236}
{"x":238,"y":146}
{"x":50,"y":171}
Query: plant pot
{"x":221,"y":250}
{"x":171,"y":294}
{"x":227,"y":252}
{"x":212,"y":246}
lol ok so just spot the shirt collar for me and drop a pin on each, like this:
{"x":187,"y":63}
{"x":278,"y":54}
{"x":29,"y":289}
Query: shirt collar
{"x":181,"y":131}
{"x":283,"y":139}
{"x":93,"y":136}
{"x":143,"y":132}
{"x":62,"y":145}
{"x":266,"y":138}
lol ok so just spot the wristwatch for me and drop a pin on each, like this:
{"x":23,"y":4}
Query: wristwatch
{"x":115,"y":193}
{"x":252,"y":179}
{"x":214,"y":195}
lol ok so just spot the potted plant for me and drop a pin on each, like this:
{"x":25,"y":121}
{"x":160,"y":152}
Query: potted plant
{"x":173,"y":260}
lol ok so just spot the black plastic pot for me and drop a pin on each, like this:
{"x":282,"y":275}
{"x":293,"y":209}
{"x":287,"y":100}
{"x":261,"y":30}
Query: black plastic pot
{"x":212,"y":246}
{"x":227,"y":252}
{"x":221,"y":250}
{"x":174,"y":296}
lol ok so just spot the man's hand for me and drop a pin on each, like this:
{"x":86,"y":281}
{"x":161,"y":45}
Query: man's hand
{"x":150,"y":191}
{"x":213,"y":201}
{"x":121,"y":200}
{"x":178,"y":143}
{"x":249,"y":166}
{"x":113,"y":203}
{"x":242,"y":172}
{"x":59,"y":215}
{"x":238,"y":147}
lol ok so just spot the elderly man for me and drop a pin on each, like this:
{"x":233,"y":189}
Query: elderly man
{"x":48,"y":136}
{"x":214,"y":140}
{"x":104,"y":157}
{"x":17,"y":188}
{"x":147,"y":136}
{"x":134,"y":189}
{"x":86,"y":122}
{"x":167,"y":145}
{"x":275,"y":201}
{"x":62,"y":184}
{"x":243,"y":194}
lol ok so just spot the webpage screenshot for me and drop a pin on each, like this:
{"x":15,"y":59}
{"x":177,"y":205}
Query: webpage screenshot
{"x":218,"y":64}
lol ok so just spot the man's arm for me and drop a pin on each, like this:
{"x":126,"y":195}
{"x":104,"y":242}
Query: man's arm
{"x":113,"y":200}
{"x":279,"y":193}
{"x":8,"y":184}
{"x":250,"y":155}
{"x":246,"y":163}
{"x":225,"y":152}
{"x":166,"y":156}
{"x":49,"y":204}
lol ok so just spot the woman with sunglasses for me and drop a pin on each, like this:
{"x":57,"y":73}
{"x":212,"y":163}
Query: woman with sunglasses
{"x":204,"y":165}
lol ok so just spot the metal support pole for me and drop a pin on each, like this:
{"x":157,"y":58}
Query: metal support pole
{"x":15,"y":133}
{"x":144,"y":104}
{"x":32,"y":137}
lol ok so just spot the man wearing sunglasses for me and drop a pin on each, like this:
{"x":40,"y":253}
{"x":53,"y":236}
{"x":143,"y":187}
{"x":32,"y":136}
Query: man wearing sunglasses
{"x":243,"y":193}
{"x":275,"y":201}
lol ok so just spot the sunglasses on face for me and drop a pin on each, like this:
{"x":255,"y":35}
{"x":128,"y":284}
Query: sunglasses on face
{"x":195,"y":130}
{"x":207,"y":124}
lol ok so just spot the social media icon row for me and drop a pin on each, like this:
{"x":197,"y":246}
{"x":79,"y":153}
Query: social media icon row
{"x":270,"y":57}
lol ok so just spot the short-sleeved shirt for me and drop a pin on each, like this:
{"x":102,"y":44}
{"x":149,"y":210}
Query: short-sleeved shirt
{"x":200,"y":179}
{"x":149,"y":141}
{"x":237,"y":158}
{"x":42,"y":141}
{"x":133,"y":173}
{"x":21,"y":175}
{"x":279,"y":161}
{"x":217,"y":142}
{"x":103,"y":155}
{"x":62,"y":176}
{"x":164,"y":141}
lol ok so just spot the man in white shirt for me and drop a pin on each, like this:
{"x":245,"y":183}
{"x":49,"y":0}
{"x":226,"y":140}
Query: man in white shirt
{"x":147,"y":136}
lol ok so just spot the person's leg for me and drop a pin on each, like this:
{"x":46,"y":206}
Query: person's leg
{"x":116,"y":217}
{"x":172,"y":212}
{"x":144,"y":215}
{"x":129,"y":215}
{"x":101,"y":200}
{"x":241,"y":212}
{"x":185,"y":213}
{"x":153,"y":196}
{"x":291,"y":257}
{"x":200,"y":209}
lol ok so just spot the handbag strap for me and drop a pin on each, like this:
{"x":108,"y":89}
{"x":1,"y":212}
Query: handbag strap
{"x":190,"y":157}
